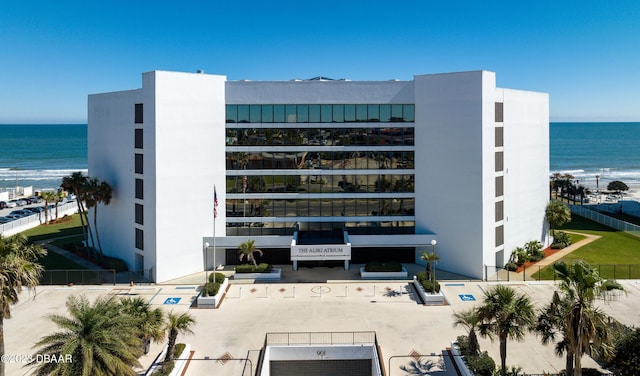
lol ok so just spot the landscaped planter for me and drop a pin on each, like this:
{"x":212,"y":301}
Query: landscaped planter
{"x":459,"y":359}
{"x":428,"y":297}
{"x":213,"y":301}
{"x":384,"y":275}
{"x":273,"y":275}
{"x":179,"y":364}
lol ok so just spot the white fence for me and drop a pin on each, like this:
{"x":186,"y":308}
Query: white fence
{"x":606,"y":220}
{"x":36,"y":219}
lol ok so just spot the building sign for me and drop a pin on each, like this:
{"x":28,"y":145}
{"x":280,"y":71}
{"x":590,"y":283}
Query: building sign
{"x":319,"y":252}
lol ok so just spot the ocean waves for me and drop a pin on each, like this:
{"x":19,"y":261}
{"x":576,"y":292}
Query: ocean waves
{"x":45,"y":178}
{"x":587,"y":177}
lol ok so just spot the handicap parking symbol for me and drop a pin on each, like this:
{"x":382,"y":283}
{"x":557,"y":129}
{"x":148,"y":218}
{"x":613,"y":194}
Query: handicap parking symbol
{"x":467,"y":297}
{"x":172,"y":301}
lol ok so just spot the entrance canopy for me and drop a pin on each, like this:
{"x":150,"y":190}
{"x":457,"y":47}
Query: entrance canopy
{"x":320,"y":246}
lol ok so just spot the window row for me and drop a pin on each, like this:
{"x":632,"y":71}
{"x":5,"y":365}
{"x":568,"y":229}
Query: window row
{"x":320,"y":113}
{"x":354,"y":228}
{"x":319,"y":136}
{"x":320,"y":183}
{"x":321,"y":207}
{"x":330,"y":160}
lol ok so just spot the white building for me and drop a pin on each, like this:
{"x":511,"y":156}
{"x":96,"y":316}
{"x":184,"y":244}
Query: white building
{"x":319,"y":170}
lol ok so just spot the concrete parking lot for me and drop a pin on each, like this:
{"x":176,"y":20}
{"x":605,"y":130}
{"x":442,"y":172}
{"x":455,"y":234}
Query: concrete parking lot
{"x":236,"y":330}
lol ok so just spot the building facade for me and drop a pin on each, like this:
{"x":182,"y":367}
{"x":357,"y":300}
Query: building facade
{"x":320,"y":171}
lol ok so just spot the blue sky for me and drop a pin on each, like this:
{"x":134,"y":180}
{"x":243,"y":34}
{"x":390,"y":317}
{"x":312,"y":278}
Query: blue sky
{"x":585,"y":54}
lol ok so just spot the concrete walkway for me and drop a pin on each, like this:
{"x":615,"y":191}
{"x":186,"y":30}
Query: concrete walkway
{"x":66,"y":254}
{"x":549,"y":260}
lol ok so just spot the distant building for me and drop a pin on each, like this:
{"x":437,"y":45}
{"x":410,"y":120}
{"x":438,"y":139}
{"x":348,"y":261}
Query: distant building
{"x":320,"y":170}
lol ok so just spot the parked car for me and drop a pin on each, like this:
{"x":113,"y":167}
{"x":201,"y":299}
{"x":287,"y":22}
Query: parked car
{"x":4,"y":220}
{"x":11,"y":204}
{"x":3,"y":205}
{"x":22,"y":213}
{"x":12,"y":217}
{"x":19,"y":202}
{"x":35,"y":209}
{"x":35,"y":199}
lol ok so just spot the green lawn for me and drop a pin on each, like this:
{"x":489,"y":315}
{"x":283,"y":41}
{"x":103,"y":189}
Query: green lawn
{"x":616,"y":254}
{"x":42,"y":232}
{"x":53,"y":260}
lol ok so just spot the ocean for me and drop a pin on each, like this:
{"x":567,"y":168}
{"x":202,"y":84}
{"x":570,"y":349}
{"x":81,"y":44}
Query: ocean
{"x":40,"y":155}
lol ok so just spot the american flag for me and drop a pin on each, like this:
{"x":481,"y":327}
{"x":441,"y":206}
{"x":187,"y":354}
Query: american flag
{"x":215,"y":203}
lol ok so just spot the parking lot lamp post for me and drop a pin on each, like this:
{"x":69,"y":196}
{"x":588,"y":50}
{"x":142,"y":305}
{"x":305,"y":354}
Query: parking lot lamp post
{"x":433,"y":266}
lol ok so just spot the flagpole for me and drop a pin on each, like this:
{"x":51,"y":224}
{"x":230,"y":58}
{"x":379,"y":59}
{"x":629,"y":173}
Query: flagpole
{"x":215,"y":214}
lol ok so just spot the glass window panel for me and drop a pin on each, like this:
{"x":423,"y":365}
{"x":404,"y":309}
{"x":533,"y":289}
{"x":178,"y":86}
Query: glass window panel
{"x":291,"y":113}
{"x":138,"y":113}
{"x":349,"y":112}
{"x":396,"y":113}
{"x":267,"y":113}
{"x":325,"y":113}
{"x":255,"y":113}
{"x":303,"y":113}
{"x":278,"y":113}
{"x":243,"y":113}
{"x":314,"y":113}
{"x":373,"y":111}
{"x":232,"y":113}
{"x":338,"y":113}
{"x":408,"y":111}
{"x":385,"y":113}
{"x":361,"y":112}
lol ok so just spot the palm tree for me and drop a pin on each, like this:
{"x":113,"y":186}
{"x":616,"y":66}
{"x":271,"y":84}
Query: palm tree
{"x":557,"y":214}
{"x":58,"y":196}
{"x":581,"y":284}
{"x":48,"y":197}
{"x":97,"y":192}
{"x":150,"y":321}
{"x":177,"y":324}
{"x":552,"y":323}
{"x":506,"y":314}
{"x":470,"y":320}
{"x":99,"y":339}
{"x":247,"y":249}
{"x":18,"y":269}
{"x":74,"y":183}
{"x":430,"y":258}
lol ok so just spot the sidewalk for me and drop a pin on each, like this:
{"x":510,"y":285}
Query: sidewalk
{"x":68,"y":255}
{"x":549,"y":260}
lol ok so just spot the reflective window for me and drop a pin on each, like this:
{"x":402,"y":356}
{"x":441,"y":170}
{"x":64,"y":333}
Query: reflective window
{"x":278,"y":113}
{"x":303,"y":113}
{"x":314,"y":113}
{"x":338,"y":113}
{"x":361,"y":112}
{"x":267,"y":113}
{"x":243,"y":113}
{"x":385,"y":113}
{"x":291,"y":113}
{"x":255,"y":113}
{"x":349,"y":112}
{"x":232,"y":113}
{"x":373,"y":112}
{"x":325,"y":113}
{"x":396,"y":113}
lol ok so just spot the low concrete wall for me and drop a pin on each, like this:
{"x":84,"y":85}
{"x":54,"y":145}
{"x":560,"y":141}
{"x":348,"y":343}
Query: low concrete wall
{"x":384,"y":275}
{"x":457,"y":357}
{"x":213,"y":301}
{"x":428,"y":298}
{"x":274,"y":274}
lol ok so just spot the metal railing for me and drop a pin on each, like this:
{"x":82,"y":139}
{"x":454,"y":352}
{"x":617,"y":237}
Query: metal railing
{"x":94,"y":277}
{"x":546,"y":273}
{"x":606,"y":220}
{"x":319,"y":338}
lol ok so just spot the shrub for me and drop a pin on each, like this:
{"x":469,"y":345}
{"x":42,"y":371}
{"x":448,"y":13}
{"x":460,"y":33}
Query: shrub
{"x":217,"y":277}
{"x":431,"y":286}
{"x":113,"y":263}
{"x":536,"y":256}
{"x":166,"y":368}
{"x":210,"y":289}
{"x":383,"y":267}
{"x":511,"y":266}
{"x":561,"y":240}
{"x":481,"y":365}
{"x":250,"y":268}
